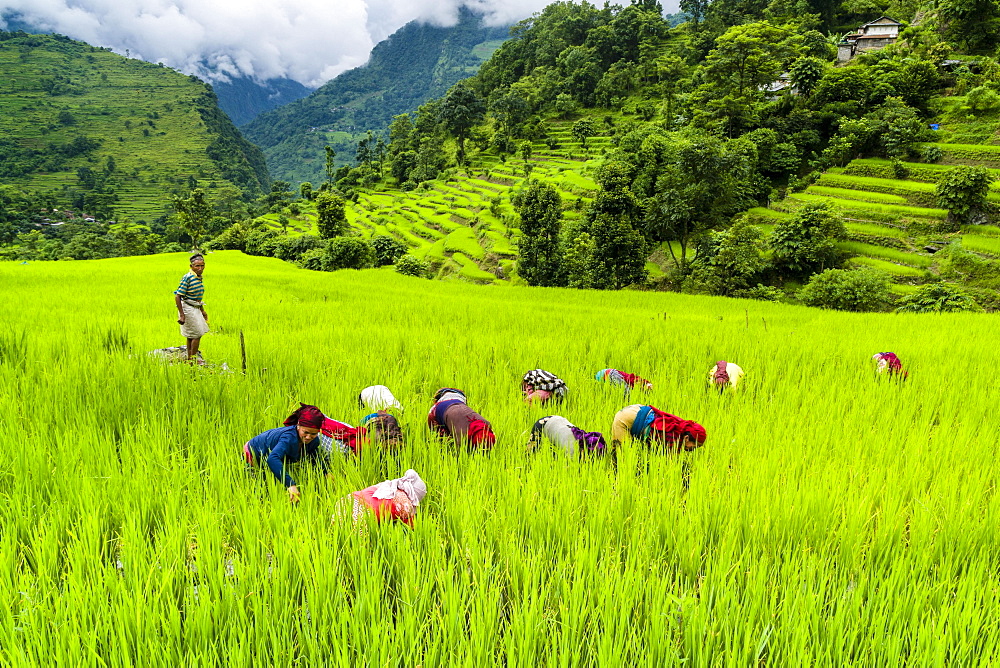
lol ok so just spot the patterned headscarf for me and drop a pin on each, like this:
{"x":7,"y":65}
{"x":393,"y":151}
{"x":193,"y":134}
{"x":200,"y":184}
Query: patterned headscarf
{"x":410,"y":484}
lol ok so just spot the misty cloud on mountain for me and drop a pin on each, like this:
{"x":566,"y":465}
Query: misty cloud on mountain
{"x":305,"y":40}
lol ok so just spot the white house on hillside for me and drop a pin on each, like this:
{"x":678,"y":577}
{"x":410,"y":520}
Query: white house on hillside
{"x":876,"y":34}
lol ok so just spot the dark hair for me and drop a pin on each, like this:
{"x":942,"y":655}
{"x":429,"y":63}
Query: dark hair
{"x":196,"y":256}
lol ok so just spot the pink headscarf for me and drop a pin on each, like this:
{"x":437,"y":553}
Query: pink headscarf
{"x":721,"y":375}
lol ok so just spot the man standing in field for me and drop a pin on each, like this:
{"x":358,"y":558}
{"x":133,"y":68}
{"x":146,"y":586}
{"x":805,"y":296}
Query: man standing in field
{"x":191,"y":315}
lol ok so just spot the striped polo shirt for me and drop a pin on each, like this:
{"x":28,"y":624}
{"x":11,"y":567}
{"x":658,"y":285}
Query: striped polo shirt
{"x":191,"y":288}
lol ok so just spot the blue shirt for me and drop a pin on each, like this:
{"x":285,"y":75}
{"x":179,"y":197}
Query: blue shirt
{"x":281,"y":445}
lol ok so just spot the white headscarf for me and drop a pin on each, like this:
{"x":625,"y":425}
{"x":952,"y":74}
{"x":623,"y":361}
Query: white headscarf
{"x":410,"y":484}
{"x":378,"y":397}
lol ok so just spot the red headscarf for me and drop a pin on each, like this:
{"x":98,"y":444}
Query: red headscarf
{"x":481,"y":434}
{"x":721,"y":375}
{"x":672,"y":428}
{"x":306,"y":416}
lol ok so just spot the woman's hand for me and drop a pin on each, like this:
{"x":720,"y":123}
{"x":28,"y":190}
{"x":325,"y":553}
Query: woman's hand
{"x":293,"y":494}
{"x":180,"y":317}
{"x":205,"y":315}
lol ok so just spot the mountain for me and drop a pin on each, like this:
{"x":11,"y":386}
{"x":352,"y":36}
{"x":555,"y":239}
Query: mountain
{"x":116,"y":136}
{"x":243,"y":99}
{"x":415,"y":64}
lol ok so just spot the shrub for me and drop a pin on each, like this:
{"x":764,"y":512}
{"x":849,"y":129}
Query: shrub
{"x":291,"y":248}
{"x":808,"y":241}
{"x":260,"y":241}
{"x":847,"y":290}
{"x":409,"y":265}
{"x":938,"y":298}
{"x":932,"y":154}
{"x":962,"y":191}
{"x":387,"y":249}
{"x":767,"y":293}
{"x":348,"y":253}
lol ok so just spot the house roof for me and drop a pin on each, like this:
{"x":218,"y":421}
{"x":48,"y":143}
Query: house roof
{"x":882,"y":20}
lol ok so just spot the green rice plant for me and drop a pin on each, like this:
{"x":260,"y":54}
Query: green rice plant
{"x":890,"y":254}
{"x":872,"y":229}
{"x":862,"y":195}
{"x":833,"y":518}
{"x":981,"y":244}
{"x":464,"y":240}
{"x":470,"y":269}
{"x":873,"y":208}
{"x":886,"y":266}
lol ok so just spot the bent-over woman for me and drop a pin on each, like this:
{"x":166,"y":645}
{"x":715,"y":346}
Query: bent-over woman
{"x":651,"y":425}
{"x":890,"y":365}
{"x":277,"y":448}
{"x":383,"y":427}
{"x":567,"y":436}
{"x":725,"y":375}
{"x":627,"y":380}
{"x":392,"y":500}
{"x":541,"y":386}
{"x":451,"y":417}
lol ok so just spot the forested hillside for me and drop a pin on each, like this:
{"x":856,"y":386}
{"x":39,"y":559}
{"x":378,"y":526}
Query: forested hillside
{"x":730,"y":155}
{"x":243,"y":99}
{"x":415,"y":64}
{"x":112,"y":137}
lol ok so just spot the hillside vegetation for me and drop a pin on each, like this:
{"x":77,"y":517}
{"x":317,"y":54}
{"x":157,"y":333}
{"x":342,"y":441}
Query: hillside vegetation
{"x":832,"y":519}
{"x":728,"y":155}
{"x":416,"y":63}
{"x":113,"y":137}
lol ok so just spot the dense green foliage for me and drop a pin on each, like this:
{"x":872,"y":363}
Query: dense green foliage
{"x":832,"y":519}
{"x":847,"y":290}
{"x":938,"y":298}
{"x":113,"y":137}
{"x":416,"y":63}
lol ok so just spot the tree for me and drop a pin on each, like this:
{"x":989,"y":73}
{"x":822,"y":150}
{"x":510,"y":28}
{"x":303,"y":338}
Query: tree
{"x":805,"y":73}
{"x":735,"y":259}
{"x":982,"y":98}
{"x":387,"y":249}
{"x":306,"y":191}
{"x":962,"y":191}
{"x":132,"y":239}
{"x":461,"y":111}
{"x":539,"y":257}
{"x":847,"y":290}
{"x":938,"y":298}
{"x":194,"y":213}
{"x":973,"y":25}
{"x":582,"y":130}
{"x":331,"y":165}
{"x":577,"y":261}
{"x":619,"y":253}
{"x":331,"y":215}
{"x":807,"y":242}
{"x":701,"y":181}
{"x":745,"y":60}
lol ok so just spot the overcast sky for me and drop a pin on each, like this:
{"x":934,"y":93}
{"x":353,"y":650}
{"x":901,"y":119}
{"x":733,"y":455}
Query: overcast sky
{"x":310,"y":41}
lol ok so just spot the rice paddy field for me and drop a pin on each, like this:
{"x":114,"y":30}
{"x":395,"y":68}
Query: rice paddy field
{"x":832,"y":519}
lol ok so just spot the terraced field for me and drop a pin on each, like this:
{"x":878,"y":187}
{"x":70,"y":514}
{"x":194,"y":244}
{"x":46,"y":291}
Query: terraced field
{"x":464,"y":224}
{"x":892,"y":222}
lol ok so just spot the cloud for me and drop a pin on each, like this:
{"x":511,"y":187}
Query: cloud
{"x":310,"y":41}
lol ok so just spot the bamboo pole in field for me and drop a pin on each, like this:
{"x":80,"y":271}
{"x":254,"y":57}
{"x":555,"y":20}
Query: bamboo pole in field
{"x":243,"y":352}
